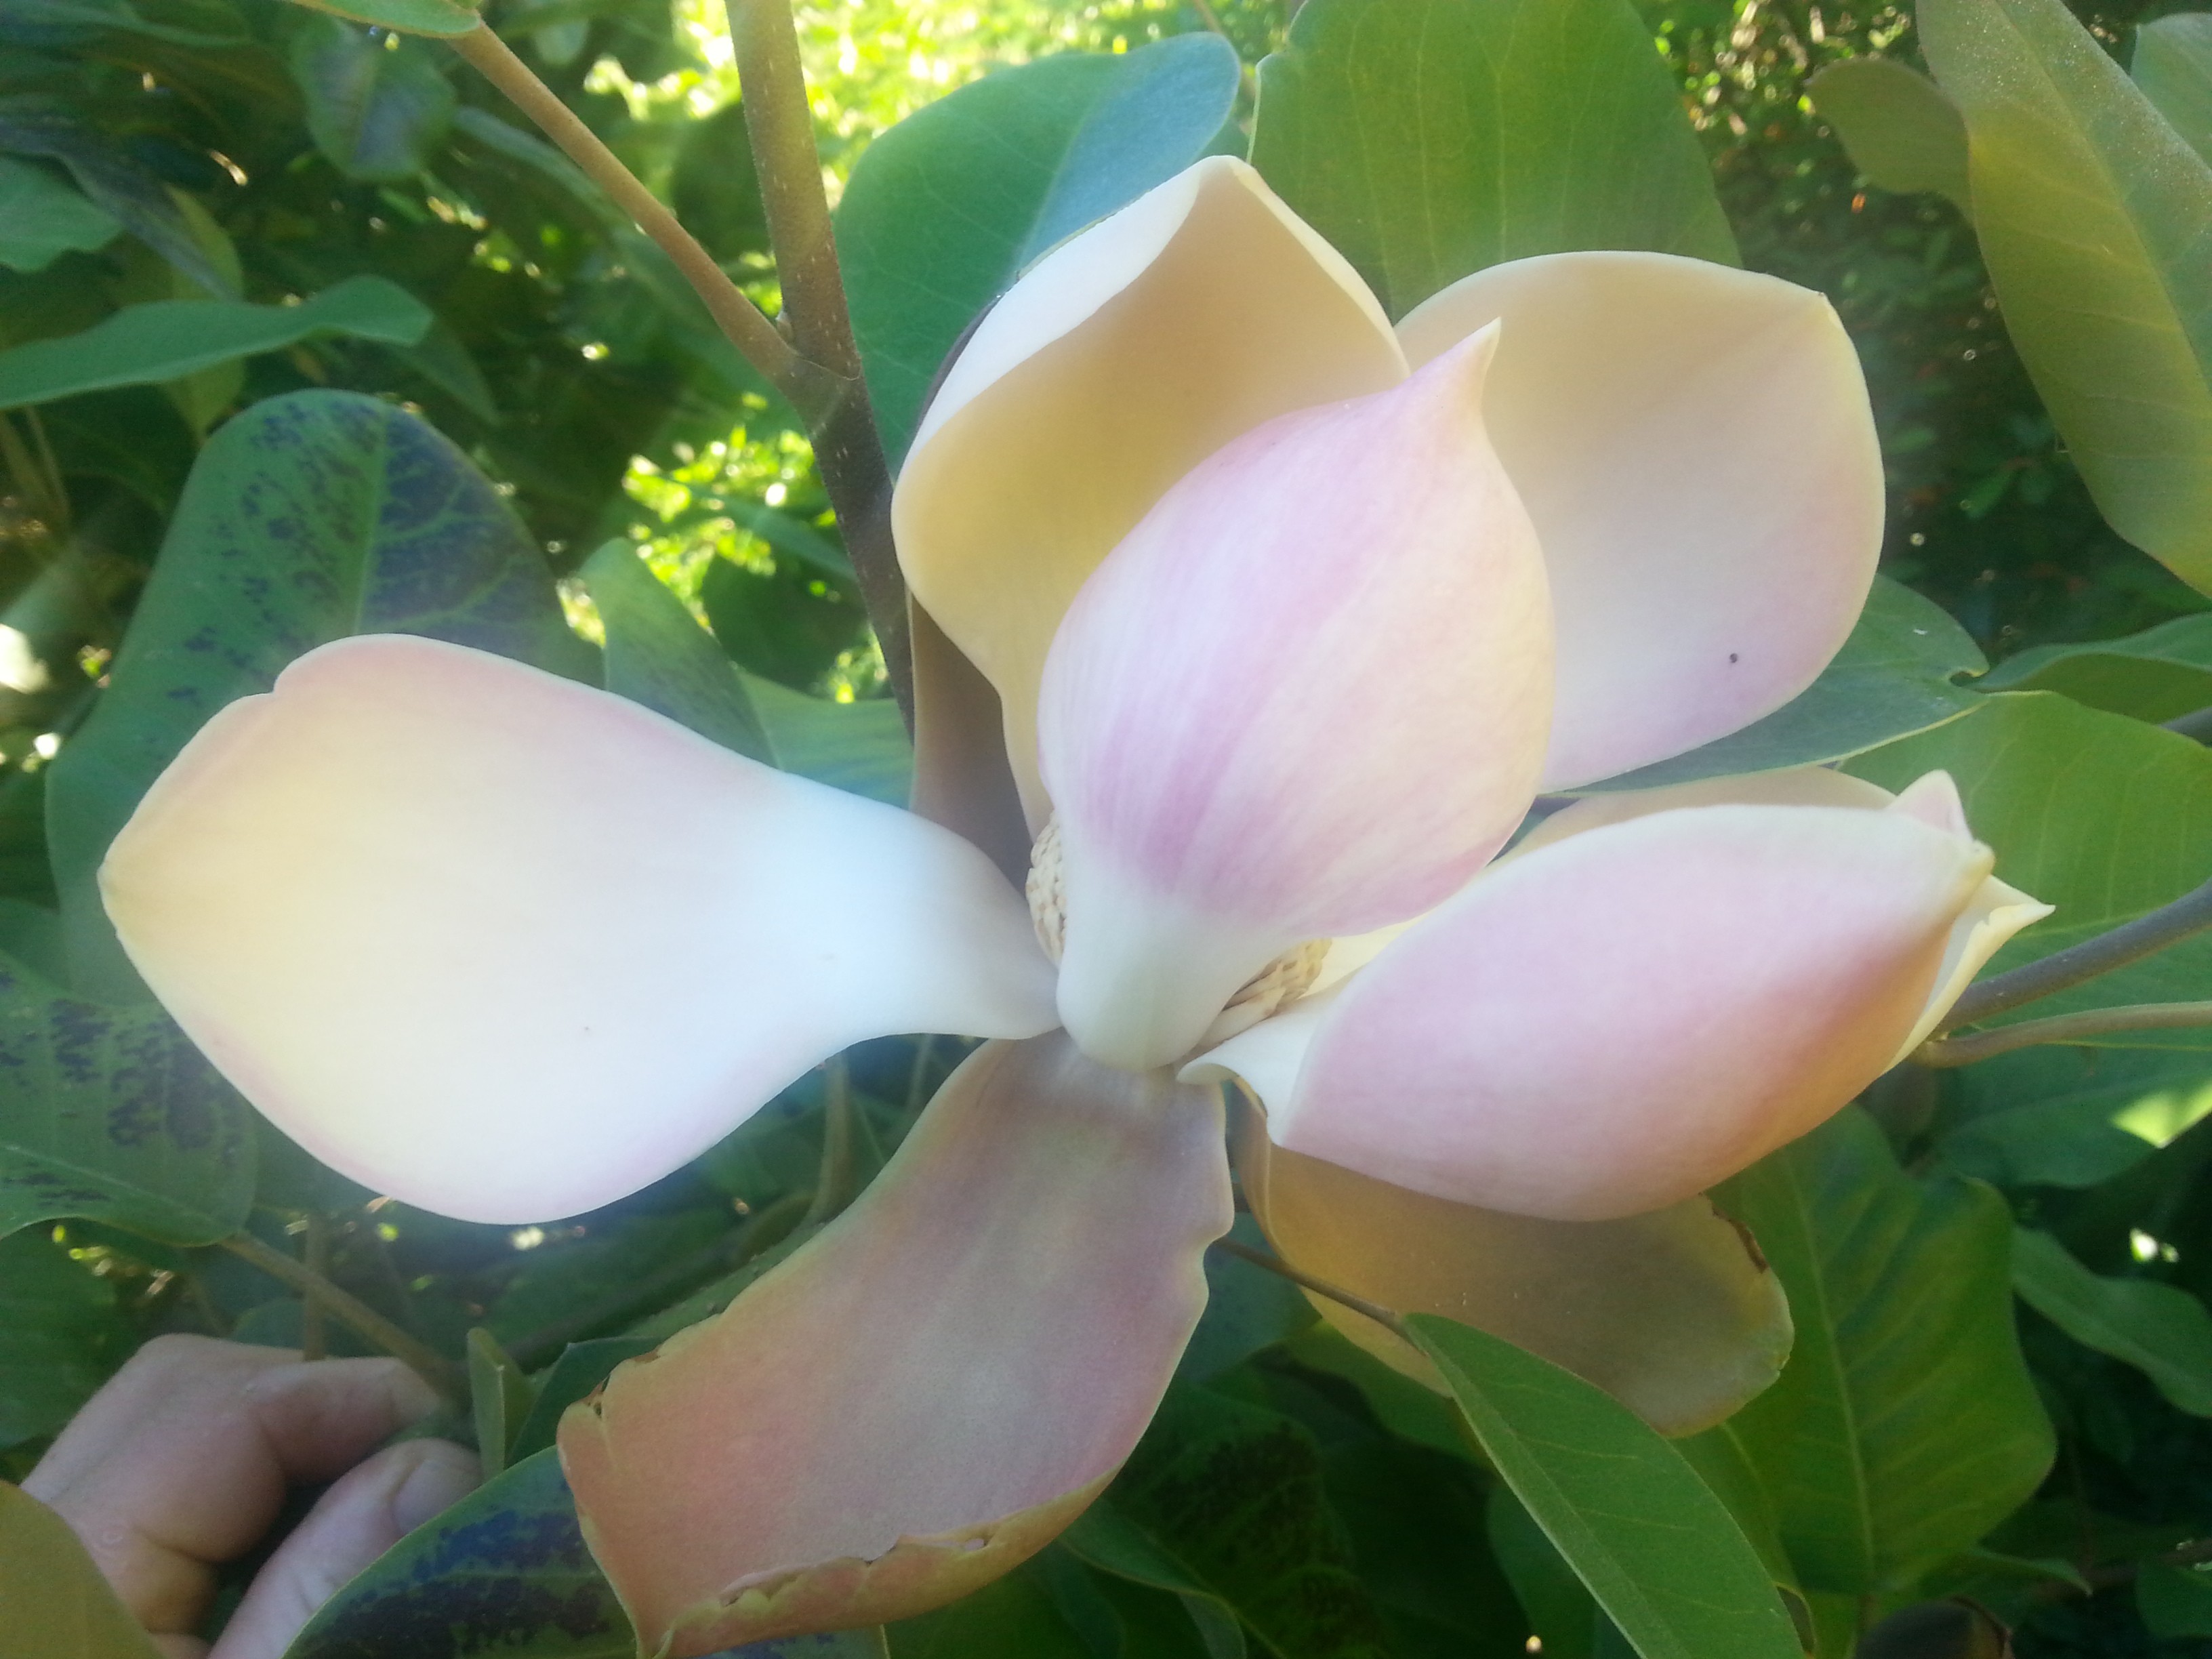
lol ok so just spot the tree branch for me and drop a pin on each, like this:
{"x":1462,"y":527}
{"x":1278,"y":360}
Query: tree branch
{"x":2062,"y":1028}
{"x":2146,"y":935}
{"x":448,"y":1378}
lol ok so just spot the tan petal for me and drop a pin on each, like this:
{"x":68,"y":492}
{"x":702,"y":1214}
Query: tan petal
{"x":928,"y":1391}
{"x":1674,"y":1313}
{"x":1122,"y":359}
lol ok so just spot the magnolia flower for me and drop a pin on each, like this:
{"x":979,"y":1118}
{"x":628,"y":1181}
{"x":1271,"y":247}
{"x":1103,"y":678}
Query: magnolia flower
{"x":1249,"y":627}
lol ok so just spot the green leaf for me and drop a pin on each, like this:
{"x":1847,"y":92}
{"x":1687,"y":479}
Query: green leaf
{"x":1659,"y":1551}
{"x":1905,"y":1424}
{"x":307,"y":518}
{"x":2093,"y":216}
{"x":60,"y":1336}
{"x":657,"y":655}
{"x":1895,"y":675}
{"x":108,"y":172}
{"x":54,"y":1603}
{"x":2157,"y":675}
{"x":2103,"y":817}
{"x":1900,"y":129}
{"x":2173,"y":64}
{"x":505,"y":1572}
{"x":2176,"y":1602}
{"x":1106,"y":1539}
{"x":946,"y":208}
{"x":2067,"y":1117}
{"x":111,"y":1114}
{"x":42,"y":218}
{"x":500,"y":1399}
{"x":438,"y":17}
{"x":167,"y":339}
{"x":1247,"y":1310}
{"x":379,"y":113}
{"x":1013,"y":1619}
{"x":860,"y":746}
{"x":715,"y":188}
{"x":2161,"y":1330}
{"x":1429,"y":138}
{"x":581,"y":1368}
{"x":1228,"y":1498}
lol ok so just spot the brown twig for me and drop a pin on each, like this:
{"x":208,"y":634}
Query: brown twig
{"x":448,"y":1378}
{"x":2062,"y":1028}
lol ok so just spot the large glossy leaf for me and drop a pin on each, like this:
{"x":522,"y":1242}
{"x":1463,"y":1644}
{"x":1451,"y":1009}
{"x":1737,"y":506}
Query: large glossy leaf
{"x":111,"y":1114}
{"x":1897,"y":673}
{"x":54,"y":1603}
{"x":2156,"y":675}
{"x":946,"y":208}
{"x":2067,"y":1117}
{"x":1659,"y":1551}
{"x":2173,"y":64}
{"x":2103,"y":817}
{"x":1225,"y":1500}
{"x":2161,"y":1330}
{"x":306,"y":518}
{"x":1901,"y":131}
{"x":378,"y":115}
{"x":657,"y":655}
{"x":60,"y":1336}
{"x":1429,"y":138}
{"x":168,"y":339}
{"x":41,"y":218}
{"x":505,"y":1572}
{"x":1904,"y":1426}
{"x":2094,"y":217}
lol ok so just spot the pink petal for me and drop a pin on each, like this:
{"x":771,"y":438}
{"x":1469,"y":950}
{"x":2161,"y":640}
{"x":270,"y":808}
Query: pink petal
{"x":928,"y":1391}
{"x":1696,"y":450}
{"x":1119,"y":361}
{"x":1306,"y":696}
{"x":1626,"y":1016}
{"x":508,"y":948}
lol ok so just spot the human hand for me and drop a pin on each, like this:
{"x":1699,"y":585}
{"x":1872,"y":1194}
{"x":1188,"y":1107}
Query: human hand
{"x":181,"y":1462}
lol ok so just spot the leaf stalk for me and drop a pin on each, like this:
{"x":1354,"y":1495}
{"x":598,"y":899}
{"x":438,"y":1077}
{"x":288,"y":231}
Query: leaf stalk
{"x":448,"y":1378}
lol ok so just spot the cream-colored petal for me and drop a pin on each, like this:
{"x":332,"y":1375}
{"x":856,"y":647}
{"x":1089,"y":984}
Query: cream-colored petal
{"x":509,"y":948}
{"x":1674,"y":1313}
{"x":1695,"y":446}
{"x":1118,"y":363}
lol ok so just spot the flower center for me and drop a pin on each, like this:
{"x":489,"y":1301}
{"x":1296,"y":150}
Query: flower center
{"x":1274,"y":987}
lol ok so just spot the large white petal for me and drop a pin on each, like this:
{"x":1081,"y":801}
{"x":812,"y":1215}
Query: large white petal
{"x":508,"y":948}
{"x":1695,"y":446}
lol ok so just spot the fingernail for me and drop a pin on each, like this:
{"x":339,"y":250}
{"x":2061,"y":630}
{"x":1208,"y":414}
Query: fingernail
{"x":446,"y":1475}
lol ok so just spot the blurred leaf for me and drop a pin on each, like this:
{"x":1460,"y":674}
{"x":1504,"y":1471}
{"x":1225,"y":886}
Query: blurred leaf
{"x":2066,"y":1116}
{"x":1937,"y":1630}
{"x":1107,"y":1541}
{"x":500,"y":1399}
{"x":714,"y":188}
{"x":860,"y":746}
{"x":1901,"y":131}
{"x":657,"y":655}
{"x":1905,"y":1424}
{"x":60,"y":1336}
{"x":111,"y":1114}
{"x":2157,"y":675}
{"x":42,"y":218}
{"x":54,"y":1603}
{"x":1247,"y":1310}
{"x":144,"y":344}
{"x":2093,"y":216}
{"x":1408,"y":1409}
{"x":1430,"y":138}
{"x":1895,"y":675}
{"x":2176,"y":1602}
{"x":1661,"y":1555}
{"x":379,"y":113}
{"x":1013,"y":1619}
{"x":1225,"y":1499}
{"x":2173,"y":64}
{"x":946,"y":208}
{"x":436,"y":17}
{"x":581,"y":1368}
{"x":106,"y":172}
{"x":1558,"y":1606}
{"x":2161,"y":1330}
{"x":307,"y":518}
{"x":2101,"y":815}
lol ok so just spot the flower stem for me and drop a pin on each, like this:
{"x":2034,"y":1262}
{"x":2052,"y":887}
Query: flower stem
{"x":1274,"y":1264}
{"x":2189,"y":914}
{"x":849,"y":452}
{"x":2062,"y":1028}
{"x":441,"y":1374}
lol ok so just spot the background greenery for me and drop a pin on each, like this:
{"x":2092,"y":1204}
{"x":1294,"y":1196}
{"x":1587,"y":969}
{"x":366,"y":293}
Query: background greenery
{"x":1292,"y":1498}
